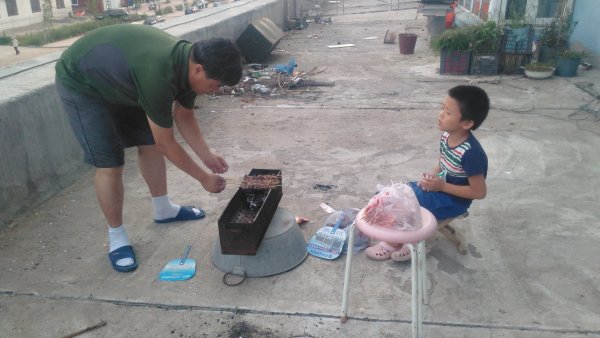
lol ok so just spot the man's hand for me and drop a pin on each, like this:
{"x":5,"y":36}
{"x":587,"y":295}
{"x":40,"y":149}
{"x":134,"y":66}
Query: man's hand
{"x":215,"y":163}
{"x":213,"y":183}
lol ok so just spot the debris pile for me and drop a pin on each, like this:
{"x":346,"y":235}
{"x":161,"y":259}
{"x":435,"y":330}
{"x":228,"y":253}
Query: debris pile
{"x":262,"y":80}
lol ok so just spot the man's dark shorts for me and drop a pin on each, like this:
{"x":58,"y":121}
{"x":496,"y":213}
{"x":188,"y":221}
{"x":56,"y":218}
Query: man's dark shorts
{"x":104,"y":129}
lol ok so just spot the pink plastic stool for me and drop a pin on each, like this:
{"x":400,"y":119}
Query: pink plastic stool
{"x":417,"y":255}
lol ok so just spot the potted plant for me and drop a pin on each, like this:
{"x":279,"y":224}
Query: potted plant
{"x":555,"y":36}
{"x":539,"y":70}
{"x":454,"y":46}
{"x":485,"y":43}
{"x":567,"y":62}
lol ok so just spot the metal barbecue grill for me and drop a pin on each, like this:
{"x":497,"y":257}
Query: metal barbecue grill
{"x":256,"y":237}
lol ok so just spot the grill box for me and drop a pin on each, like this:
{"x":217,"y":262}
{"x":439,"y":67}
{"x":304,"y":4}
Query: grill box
{"x":240,"y":238}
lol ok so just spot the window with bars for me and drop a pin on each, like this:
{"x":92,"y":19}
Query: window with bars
{"x":35,"y":6}
{"x":60,"y":4}
{"x":468,"y":4}
{"x":476,"y":5}
{"x":11,"y":7}
{"x":515,"y":8}
{"x":549,"y":8}
{"x":479,"y":8}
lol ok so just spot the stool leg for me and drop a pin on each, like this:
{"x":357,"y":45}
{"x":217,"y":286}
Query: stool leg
{"x":424,"y":273}
{"x":415,"y":290}
{"x":423,"y":291}
{"x":344,"y":316}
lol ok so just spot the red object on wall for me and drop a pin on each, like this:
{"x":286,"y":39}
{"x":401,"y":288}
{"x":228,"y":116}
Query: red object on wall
{"x":450,"y":15}
{"x":450,"y":19}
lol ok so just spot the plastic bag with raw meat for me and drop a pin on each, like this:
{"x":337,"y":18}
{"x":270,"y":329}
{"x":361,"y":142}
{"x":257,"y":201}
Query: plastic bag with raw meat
{"x":395,"y":206}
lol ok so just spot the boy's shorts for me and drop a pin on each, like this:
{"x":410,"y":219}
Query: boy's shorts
{"x":104,"y":129}
{"x":440,"y":204}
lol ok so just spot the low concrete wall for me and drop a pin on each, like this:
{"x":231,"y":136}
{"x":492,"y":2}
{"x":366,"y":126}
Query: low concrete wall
{"x":39,"y":155}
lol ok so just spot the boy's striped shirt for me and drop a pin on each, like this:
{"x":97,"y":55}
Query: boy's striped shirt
{"x":450,"y":158}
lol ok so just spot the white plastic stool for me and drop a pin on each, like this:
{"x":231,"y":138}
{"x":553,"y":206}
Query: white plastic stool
{"x":417,"y":256}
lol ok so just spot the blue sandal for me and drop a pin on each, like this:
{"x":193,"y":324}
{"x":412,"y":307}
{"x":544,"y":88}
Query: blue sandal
{"x":185,"y":214}
{"x":121,"y":253}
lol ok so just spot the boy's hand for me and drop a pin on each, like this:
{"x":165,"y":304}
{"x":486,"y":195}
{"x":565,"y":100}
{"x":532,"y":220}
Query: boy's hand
{"x":431,"y":182}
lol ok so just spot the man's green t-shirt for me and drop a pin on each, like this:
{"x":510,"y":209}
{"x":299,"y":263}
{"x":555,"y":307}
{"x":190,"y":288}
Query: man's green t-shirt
{"x":131,"y":65}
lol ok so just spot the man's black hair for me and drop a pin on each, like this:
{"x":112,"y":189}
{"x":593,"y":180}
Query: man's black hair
{"x":221,"y":59}
{"x":473,"y":103}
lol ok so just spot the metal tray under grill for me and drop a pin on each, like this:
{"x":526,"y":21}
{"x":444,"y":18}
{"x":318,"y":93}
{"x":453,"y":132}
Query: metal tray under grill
{"x":243,"y":223}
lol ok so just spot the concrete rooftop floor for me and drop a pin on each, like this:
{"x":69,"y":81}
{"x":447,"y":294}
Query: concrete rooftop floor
{"x":532,"y":264}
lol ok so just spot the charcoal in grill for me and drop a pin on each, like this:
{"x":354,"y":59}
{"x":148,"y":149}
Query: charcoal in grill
{"x":254,"y":200}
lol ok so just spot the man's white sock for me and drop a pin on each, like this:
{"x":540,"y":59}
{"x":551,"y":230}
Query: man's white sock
{"x":117,"y":238}
{"x":165,"y":209}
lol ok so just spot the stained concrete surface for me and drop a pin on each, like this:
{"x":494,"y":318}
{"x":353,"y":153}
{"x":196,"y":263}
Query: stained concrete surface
{"x":530,"y":270}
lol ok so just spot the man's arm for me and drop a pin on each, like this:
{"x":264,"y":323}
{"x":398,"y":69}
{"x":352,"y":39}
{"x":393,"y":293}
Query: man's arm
{"x":165,"y":141}
{"x":188,"y":127}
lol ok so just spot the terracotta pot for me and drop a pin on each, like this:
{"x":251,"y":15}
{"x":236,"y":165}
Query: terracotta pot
{"x":407,"y":43}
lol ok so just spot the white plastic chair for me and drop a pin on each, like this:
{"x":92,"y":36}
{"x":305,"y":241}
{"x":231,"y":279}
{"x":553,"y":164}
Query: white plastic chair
{"x":415,"y":239}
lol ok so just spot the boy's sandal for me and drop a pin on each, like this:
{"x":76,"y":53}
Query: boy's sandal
{"x":403,"y":254}
{"x":121,"y":253}
{"x":379,"y":252}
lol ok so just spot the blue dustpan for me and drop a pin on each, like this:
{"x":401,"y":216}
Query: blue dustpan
{"x":327,"y":242}
{"x":179,"y":269}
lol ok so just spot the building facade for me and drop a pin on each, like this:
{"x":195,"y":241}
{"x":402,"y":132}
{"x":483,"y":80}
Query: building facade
{"x":15,"y":14}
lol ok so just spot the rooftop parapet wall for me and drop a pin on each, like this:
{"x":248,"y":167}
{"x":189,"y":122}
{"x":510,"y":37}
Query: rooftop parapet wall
{"x":39,"y":156}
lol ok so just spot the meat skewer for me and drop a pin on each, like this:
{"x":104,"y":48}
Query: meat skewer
{"x":257,"y":182}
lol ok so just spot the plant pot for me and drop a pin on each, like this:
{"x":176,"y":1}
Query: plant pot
{"x":454,"y":62}
{"x":484,"y":63}
{"x":539,"y":74}
{"x":567,"y":67}
{"x":407,"y":43}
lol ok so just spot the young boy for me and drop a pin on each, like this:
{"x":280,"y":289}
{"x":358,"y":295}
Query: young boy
{"x":459,"y":176}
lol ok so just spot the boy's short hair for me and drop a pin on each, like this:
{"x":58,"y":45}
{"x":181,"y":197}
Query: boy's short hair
{"x":220,"y":58}
{"x":473,"y":103}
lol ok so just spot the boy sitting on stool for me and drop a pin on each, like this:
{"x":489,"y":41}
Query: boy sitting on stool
{"x":459,"y":176}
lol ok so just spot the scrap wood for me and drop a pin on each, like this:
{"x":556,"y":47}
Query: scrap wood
{"x":341,"y":46}
{"x":309,"y":83}
{"x":87,"y":329}
{"x":315,"y":72}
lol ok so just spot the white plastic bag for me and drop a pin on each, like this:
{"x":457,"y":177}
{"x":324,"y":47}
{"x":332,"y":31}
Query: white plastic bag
{"x":395,"y":206}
